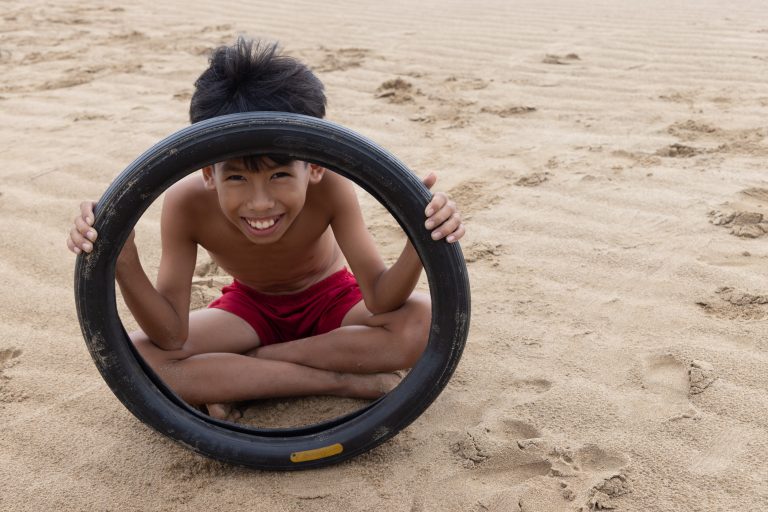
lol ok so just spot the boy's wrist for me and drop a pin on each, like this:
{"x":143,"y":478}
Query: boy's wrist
{"x":127,"y":260}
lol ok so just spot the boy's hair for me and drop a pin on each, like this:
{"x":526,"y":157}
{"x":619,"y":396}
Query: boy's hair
{"x":251,"y":76}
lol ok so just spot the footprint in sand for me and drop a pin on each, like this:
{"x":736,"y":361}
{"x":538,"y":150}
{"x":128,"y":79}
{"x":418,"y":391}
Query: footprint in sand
{"x":483,"y":251}
{"x":679,"y":97}
{"x":494,"y":450}
{"x":533,"y":385}
{"x":89,"y":116}
{"x":666,"y":376}
{"x":522,"y":467}
{"x":701,"y":374}
{"x":665,"y":384}
{"x":672,"y":381}
{"x":589,"y":474}
{"x":516,"y":429}
{"x":83,"y":75}
{"x":690,"y":130}
{"x":8,"y":358}
{"x":190,"y":466}
{"x":514,"y":110}
{"x":722,"y":450}
{"x":742,"y":224}
{"x":638,"y":158}
{"x":679,"y":151}
{"x":396,"y":90}
{"x":455,"y":83}
{"x":733,"y":304}
{"x":719,"y":140}
{"x":474,"y":196}
{"x":341,"y":59}
{"x":551,"y":58}
{"x":532,"y":180}
{"x":745,"y":217}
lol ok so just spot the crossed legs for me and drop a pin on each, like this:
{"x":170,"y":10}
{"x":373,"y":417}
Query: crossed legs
{"x":222,"y":360}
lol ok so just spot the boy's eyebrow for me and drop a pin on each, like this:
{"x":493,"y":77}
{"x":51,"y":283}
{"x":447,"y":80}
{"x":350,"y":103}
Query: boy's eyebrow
{"x":233,"y":166}
{"x":260,"y":162}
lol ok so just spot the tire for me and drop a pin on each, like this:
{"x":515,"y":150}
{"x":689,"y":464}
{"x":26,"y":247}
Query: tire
{"x":304,"y":138}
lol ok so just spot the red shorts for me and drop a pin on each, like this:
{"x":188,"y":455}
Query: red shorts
{"x":277,"y":318}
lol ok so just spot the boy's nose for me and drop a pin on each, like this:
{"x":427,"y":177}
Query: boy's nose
{"x":260,"y":201}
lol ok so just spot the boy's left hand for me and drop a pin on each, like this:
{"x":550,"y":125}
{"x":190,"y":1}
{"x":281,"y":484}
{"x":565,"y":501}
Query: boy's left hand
{"x":443,"y":218}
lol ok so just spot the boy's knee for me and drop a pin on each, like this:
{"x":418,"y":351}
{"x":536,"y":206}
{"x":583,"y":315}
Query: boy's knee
{"x":153,"y":355}
{"x":144,"y":346}
{"x":142,"y":343}
{"x":415,"y":328}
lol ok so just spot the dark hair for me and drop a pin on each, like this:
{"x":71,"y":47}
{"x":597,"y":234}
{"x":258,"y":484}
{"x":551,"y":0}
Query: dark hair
{"x":251,"y":76}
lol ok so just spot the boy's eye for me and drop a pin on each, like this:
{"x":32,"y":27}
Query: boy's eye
{"x":280,"y":175}
{"x":235,"y":177}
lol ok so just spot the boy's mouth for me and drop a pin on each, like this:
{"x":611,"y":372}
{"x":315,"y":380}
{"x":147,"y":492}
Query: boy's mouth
{"x":262,"y":225}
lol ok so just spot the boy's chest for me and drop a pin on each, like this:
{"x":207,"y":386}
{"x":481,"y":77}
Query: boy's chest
{"x":306,"y":250}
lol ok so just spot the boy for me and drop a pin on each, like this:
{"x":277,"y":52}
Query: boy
{"x":295,"y":321}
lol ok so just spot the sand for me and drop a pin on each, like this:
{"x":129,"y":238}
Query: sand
{"x":609,"y":157}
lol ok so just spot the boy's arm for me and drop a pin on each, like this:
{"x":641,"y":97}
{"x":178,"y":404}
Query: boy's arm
{"x":386,"y":289}
{"x":162,"y":311}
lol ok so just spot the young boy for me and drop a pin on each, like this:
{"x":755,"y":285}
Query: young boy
{"x":295,"y":321}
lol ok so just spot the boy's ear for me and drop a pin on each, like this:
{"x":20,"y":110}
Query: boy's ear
{"x":316,"y":173}
{"x":209,"y":178}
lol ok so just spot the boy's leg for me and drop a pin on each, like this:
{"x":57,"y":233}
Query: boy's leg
{"x":364,"y":343}
{"x":210,"y":367}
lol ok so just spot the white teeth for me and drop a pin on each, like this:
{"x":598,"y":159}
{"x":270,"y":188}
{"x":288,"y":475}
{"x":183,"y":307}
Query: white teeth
{"x":259,"y":224}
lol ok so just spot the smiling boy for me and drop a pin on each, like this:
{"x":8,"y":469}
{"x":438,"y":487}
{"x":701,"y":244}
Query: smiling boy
{"x":294,"y":321}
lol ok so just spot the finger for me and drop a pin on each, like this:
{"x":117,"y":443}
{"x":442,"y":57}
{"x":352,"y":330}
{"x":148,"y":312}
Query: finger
{"x":84,"y":229}
{"x":447,"y":228}
{"x":79,"y":241}
{"x":456,"y":235}
{"x":438,"y":201}
{"x":429,"y":180}
{"x":441,"y":215}
{"x":71,"y":246}
{"x":86,"y":210}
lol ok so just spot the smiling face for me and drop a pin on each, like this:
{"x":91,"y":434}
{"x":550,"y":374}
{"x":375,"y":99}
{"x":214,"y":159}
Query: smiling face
{"x":264,"y":199}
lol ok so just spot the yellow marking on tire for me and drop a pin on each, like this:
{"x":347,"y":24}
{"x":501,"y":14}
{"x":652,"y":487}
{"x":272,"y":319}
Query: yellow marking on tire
{"x":317,"y":453}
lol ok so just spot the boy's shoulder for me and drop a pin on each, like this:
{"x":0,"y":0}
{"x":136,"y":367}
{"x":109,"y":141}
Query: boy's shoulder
{"x":188,"y":192}
{"x":187,"y":204}
{"x":333,"y":190}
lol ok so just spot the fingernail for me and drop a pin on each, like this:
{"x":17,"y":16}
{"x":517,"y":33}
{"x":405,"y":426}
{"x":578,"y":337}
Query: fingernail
{"x":451,"y":238}
{"x":429,"y":224}
{"x":91,"y":234}
{"x":77,"y":250}
{"x":87,"y":247}
{"x":89,"y":220}
{"x":429,"y":212}
{"x":436,"y":235}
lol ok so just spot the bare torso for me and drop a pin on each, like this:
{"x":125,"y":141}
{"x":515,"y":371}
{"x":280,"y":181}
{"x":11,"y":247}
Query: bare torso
{"x":305,"y":255}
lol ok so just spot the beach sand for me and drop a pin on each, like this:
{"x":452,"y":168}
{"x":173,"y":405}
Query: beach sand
{"x":609,"y":157}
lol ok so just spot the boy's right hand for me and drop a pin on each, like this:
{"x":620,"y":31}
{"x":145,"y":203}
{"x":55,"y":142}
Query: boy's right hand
{"x":82,"y":235}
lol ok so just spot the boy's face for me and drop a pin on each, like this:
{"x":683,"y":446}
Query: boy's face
{"x":262,"y":201}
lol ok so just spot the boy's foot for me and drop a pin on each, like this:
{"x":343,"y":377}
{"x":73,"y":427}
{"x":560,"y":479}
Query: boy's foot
{"x":353,"y":385}
{"x":373,"y":385}
{"x":224,"y":411}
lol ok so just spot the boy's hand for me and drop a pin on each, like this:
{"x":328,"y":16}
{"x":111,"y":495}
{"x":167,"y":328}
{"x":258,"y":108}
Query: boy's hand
{"x":82,"y":235}
{"x":443,"y":218}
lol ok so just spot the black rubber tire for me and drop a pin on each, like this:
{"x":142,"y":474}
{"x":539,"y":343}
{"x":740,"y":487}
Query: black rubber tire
{"x":305,"y":138}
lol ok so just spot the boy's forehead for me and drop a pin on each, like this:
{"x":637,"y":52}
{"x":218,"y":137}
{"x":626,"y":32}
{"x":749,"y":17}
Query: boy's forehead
{"x":233,"y":163}
{"x":255,"y":162}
